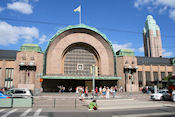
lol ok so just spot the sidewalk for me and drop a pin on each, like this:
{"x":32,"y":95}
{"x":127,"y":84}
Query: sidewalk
{"x":70,"y":101}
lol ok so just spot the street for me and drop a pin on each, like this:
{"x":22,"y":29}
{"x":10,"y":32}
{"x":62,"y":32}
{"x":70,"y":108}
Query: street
{"x":123,"y":105}
{"x":39,"y":112}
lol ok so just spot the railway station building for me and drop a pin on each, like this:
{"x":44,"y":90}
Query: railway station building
{"x":68,"y":59}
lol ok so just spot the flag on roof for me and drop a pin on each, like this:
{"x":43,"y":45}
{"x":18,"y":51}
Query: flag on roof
{"x":78,"y":9}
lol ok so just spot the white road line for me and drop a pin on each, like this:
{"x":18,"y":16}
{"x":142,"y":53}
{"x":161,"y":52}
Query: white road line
{"x":2,"y":110}
{"x":37,"y":112}
{"x":145,"y":115}
{"x":26,"y":112}
{"x":10,"y":112}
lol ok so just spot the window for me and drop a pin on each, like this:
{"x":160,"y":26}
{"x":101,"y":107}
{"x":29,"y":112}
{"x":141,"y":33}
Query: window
{"x":79,"y":66}
{"x":140,"y":77}
{"x":23,"y":58}
{"x":9,"y":78}
{"x":156,"y":77}
{"x":162,"y":75}
{"x":0,"y":73}
{"x":32,"y":58}
{"x":19,"y":91}
{"x":148,"y":76}
{"x":169,"y":73}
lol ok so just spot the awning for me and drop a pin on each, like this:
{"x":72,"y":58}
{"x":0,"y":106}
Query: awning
{"x":82,"y":77}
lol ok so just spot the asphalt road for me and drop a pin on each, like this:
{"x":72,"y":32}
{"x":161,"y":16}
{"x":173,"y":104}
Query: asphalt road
{"x":45,"y":112}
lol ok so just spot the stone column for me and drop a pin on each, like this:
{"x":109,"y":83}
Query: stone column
{"x":166,"y":71}
{"x":159,"y":73}
{"x":143,"y":76}
{"x":151,"y":72}
{"x":3,"y":73}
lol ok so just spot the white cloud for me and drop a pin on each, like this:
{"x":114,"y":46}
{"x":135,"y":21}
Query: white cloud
{"x":11,"y":34}
{"x":167,"y":54}
{"x":122,"y":46}
{"x":141,"y":49}
{"x":161,"y":5}
{"x":22,"y":7}
{"x":42,"y":39}
{"x":1,"y":9}
{"x":172,"y":14}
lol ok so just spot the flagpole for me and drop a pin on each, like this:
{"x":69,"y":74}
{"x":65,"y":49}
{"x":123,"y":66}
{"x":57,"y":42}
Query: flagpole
{"x":80,"y":15}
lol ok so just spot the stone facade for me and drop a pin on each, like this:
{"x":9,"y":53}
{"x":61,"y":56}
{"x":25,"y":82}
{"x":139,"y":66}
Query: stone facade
{"x":28,"y":76}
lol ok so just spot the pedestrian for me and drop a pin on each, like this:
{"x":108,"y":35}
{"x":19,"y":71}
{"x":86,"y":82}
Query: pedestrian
{"x":100,"y":90}
{"x":173,"y":95}
{"x":96,"y":91}
{"x":107,"y":92}
{"x":121,"y":89}
{"x":113,"y":92}
{"x":104,"y":91}
{"x":93,"y":105}
{"x":86,"y":92}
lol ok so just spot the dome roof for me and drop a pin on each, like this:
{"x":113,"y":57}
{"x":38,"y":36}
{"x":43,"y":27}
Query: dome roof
{"x":30,"y":48}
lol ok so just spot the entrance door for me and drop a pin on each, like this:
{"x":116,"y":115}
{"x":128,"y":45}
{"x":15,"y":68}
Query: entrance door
{"x":51,"y":85}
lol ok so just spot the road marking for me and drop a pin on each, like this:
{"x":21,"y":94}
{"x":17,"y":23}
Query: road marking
{"x":10,"y":112}
{"x":37,"y":112}
{"x":2,"y":110}
{"x":26,"y":112}
{"x":144,"y":115}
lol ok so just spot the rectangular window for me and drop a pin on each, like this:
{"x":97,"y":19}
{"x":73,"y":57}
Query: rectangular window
{"x":79,"y":66}
{"x":155,"y":75}
{"x":9,"y":77}
{"x":169,"y":73}
{"x":0,"y":73}
{"x":140,"y":77}
{"x":148,"y":76}
{"x":162,"y":75}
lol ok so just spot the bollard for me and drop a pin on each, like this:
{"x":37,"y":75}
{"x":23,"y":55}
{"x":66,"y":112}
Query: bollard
{"x":12,"y":103}
{"x":75,"y":103}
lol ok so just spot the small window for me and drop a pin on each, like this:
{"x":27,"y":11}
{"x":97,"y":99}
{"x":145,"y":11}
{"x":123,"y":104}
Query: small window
{"x":19,"y":91}
{"x":23,"y":58}
{"x":126,"y":62}
{"x":32,"y":58}
{"x":79,"y":66}
{"x":133,"y":62}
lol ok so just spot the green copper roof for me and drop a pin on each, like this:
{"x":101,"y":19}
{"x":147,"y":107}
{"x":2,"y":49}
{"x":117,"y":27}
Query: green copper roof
{"x":30,"y":48}
{"x":81,"y":77}
{"x":125,"y":52}
{"x":150,"y":24}
{"x":85,"y":27}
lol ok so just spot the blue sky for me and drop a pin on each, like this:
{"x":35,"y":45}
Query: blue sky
{"x":118,"y":19}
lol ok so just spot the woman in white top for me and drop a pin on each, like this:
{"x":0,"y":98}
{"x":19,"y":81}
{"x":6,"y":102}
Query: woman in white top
{"x":107,"y":92}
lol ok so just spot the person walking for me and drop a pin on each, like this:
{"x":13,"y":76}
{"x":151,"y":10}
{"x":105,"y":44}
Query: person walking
{"x":86,"y":92}
{"x":113,"y":92}
{"x":107,"y":92}
{"x":173,"y":95}
{"x":100,"y":90}
{"x":104,"y":91}
{"x":96,"y":91}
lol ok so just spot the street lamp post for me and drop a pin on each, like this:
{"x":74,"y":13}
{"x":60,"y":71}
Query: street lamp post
{"x":93,"y":72}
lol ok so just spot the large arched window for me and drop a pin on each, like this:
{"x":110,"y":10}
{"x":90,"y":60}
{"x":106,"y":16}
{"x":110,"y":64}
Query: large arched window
{"x":78,"y":59}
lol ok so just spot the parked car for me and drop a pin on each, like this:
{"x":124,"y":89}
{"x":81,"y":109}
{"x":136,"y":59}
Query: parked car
{"x":161,"y":95}
{"x":19,"y":93}
{"x":3,"y":96}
